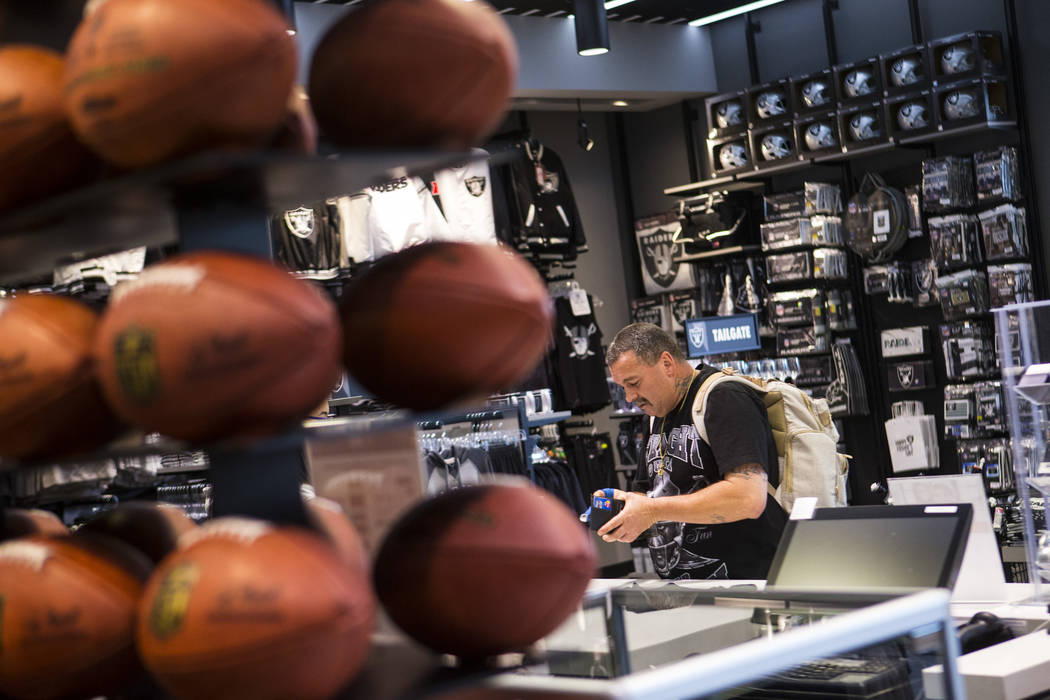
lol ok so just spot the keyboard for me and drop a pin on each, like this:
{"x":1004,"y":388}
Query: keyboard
{"x":881,"y":679}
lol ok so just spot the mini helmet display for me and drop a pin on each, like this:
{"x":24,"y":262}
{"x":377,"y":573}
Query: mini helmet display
{"x":906,"y":70}
{"x":729,"y":113}
{"x":770,"y":104}
{"x":819,"y":135}
{"x":775,"y":147}
{"x":960,"y":104}
{"x":912,"y":115}
{"x":864,"y":126}
{"x":858,"y":82}
{"x":732,"y":155}
{"x":815,"y":93}
{"x":958,"y":58}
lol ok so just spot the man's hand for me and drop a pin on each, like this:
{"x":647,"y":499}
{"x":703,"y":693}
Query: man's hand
{"x":635,"y":518}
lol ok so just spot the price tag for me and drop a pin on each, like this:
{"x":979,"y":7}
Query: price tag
{"x":578,"y":302}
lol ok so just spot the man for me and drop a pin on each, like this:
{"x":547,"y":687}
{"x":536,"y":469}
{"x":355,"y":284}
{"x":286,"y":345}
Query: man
{"x":706,"y":507}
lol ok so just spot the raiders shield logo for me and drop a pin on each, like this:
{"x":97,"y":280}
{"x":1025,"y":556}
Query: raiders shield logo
{"x":906,"y":375}
{"x":658,"y":253}
{"x":300,"y":222}
{"x":697,"y":337}
{"x":475,"y":185}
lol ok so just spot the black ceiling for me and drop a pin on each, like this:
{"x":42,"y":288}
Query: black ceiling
{"x":654,"y":11}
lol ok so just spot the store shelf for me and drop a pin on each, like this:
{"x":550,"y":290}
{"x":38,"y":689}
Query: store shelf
{"x":727,"y":183}
{"x":775,"y":169}
{"x":720,"y":253}
{"x":626,"y":415}
{"x":142,"y":208}
{"x":960,"y":131}
{"x":855,"y":153}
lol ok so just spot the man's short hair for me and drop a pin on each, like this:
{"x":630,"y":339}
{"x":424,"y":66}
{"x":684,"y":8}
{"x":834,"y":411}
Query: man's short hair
{"x":646,"y":341}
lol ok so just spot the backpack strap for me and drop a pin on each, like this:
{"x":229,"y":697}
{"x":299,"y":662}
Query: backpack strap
{"x":727,"y":374}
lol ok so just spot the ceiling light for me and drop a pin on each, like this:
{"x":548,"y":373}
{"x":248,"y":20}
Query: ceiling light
{"x":592,"y":27}
{"x":610,"y":4}
{"x":719,"y":16}
{"x":583,"y":134}
{"x":619,"y":103}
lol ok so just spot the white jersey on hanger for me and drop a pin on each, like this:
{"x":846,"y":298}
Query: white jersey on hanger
{"x":466,"y":197}
{"x":403,"y":213}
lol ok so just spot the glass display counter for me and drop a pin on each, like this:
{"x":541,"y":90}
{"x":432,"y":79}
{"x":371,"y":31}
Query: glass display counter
{"x":664,"y":640}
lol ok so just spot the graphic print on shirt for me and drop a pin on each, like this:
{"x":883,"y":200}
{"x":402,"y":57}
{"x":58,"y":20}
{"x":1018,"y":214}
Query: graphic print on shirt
{"x":300,"y":222}
{"x":475,"y":185}
{"x":581,"y":340}
{"x":658,"y":252}
{"x":682,"y":447}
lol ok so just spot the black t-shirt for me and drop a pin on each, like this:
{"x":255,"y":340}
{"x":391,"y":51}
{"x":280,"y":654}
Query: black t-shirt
{"x":739,"y":431}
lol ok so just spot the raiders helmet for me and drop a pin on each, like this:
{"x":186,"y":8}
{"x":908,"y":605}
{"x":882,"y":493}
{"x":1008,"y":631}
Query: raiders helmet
{"x":958,"y":58}
{"x":912,"y":115}
{"x":729,"y":113}
{"x":864,"y":126}
{"x":815,"y":93}
{"x":770,"y":104}
{"x":732,"y":155}
{"x":775,"y":147}
{"x":819,"y":135}
{"x":858,"y":82}
{"x":906,"y":70}
{"x":960,"y":104}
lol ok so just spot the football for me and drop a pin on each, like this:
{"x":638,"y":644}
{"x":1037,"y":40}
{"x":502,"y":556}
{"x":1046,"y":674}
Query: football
{"x":151,"y":528}
{"x":425,"y":73}
{"x":50,"y":402}
{"x":247,"y":610}
{"x":68,"y":616}
{"x":147,"y":80}
{"x":211,"y":345}
{"x":39,"y":154}
{"x":444,"y":322}
{"x":484,"y":570}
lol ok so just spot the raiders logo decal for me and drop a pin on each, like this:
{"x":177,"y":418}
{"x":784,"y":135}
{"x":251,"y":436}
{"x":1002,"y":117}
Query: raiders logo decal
{"x":658,"y":252}
{"x":909,"y":376}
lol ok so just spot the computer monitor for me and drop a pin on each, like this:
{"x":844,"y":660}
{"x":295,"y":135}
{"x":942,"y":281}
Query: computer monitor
{"x":872,"y":547}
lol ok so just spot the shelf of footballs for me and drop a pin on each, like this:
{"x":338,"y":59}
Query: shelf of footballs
{"x":210,"y":201}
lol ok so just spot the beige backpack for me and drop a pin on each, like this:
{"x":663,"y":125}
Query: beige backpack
{"x":805,"y":436}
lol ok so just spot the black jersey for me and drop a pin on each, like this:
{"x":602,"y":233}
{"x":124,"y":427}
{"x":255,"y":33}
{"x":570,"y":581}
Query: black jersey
{"x":677,"y":461}
{"x":306,"y":242}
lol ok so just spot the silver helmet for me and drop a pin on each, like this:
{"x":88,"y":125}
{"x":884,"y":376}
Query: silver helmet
{"x":864,"y":126}
{"x":960,"y":104}
{"x":770,"y":104}
{"x":819,"y":135}
{"x":958,"y":58}
{"x":906,"y":70}
{"x":729,"y":113}
{"x":732,"y":155}
{"x":912,"y":115}
{"x":858,"y":82}
{"x":815,"y":93}
{"x":775,"y":146}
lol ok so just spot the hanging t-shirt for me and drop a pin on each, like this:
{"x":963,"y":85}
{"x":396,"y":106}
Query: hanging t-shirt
{"x":306,"y":242}
{"x":394,"y":215}
{"x":349,"y":216}
{"x":677,"y":461}
{"x":579,"y":364}
{"x":466,"y":197}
